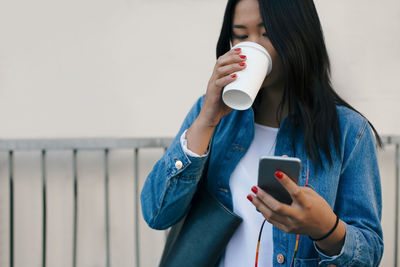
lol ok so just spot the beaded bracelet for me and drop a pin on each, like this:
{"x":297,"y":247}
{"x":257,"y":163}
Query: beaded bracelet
{"x":330,"y":232}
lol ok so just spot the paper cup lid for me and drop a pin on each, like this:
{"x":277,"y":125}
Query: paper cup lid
{"x":254,"y":45}
{"x":259,"y":48}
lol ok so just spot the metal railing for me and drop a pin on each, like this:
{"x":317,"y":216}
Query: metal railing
{"x":106,"y":145}
{"x":77,"y":145}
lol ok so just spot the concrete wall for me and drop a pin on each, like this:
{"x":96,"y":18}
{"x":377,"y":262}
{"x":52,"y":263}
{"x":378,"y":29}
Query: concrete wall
{"x":134,"y":68}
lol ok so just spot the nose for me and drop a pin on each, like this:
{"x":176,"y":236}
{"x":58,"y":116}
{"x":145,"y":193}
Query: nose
{"x":255,"y":38}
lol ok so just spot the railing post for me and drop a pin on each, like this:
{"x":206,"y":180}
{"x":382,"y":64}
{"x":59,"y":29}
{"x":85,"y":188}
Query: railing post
{"x":396,"y":218}
{"x":11,"y":181}
{"x":137,"y":199}
{"x":166,"y":231}
{"x":107,"y":214}
{"x":44,"y":203}
{"x":75,"y":222}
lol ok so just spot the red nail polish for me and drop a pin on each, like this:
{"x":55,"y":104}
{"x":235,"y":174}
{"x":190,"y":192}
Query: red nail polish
{"x":233,"y":75}
{"x":242,"y":56}
{"x":254,"y":189}
{"x":237,"y":49}
{"x":242,"y":64}
{"x":249,"y":197}
{"x":279,"y":174}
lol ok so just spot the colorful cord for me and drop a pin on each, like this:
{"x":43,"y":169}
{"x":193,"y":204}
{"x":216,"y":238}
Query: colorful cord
{"x":258,"y":242}
{"x":297,"y":237}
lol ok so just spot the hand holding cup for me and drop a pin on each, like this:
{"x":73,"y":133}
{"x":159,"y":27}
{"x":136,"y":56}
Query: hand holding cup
{"x":214,"y":109}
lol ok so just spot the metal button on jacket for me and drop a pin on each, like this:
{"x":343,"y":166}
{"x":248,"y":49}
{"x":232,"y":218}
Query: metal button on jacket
{"x":280,"y":258}
{"x":178,"y":164}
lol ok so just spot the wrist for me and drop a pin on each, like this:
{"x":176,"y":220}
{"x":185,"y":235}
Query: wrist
{"x":205,"y":123}
{"x":327,"y":233}
{"x":332,"y":244}
{"x":198,"y":137}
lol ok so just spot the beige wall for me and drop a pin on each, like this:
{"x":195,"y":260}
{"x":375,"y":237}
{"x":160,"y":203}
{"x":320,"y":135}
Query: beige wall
{"x":134,"y":68}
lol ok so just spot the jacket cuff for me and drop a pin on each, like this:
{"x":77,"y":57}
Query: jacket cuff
{"x":350,"y":249}
{"x":183,"y":166}
{"x":186,"y":149}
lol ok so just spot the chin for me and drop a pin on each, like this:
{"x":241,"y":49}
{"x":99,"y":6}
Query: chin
{"x":272,"y":83}
{"x":266,"y":83}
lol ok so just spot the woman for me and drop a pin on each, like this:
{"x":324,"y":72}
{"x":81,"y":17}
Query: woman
{"x":336,"y":208}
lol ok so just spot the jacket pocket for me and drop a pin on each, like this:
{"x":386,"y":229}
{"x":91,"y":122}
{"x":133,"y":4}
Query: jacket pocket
{"x":306,"y":262}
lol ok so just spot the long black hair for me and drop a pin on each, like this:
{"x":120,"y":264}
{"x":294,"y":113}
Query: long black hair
{"x":294,"y":30}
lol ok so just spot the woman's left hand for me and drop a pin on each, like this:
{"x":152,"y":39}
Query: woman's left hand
{"x":309,"y":214}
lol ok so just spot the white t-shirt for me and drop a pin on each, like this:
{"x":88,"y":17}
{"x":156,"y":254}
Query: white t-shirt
{"x":242,"y":247}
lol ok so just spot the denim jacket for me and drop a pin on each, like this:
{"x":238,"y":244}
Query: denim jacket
{"x":351,"y":185}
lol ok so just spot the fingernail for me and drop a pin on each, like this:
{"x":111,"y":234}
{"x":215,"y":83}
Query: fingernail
{"x":254,"y":189}
{"x":237,"y":49}
{"x":242,"y":56}
{"x":249,"y":197}
{"x":278,"y":174}
{"x":242,"y":64}
{"x":233,"y":75}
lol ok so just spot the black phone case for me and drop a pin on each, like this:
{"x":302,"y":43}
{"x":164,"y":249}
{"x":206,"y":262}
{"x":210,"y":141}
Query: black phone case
{"x":270,"y":184}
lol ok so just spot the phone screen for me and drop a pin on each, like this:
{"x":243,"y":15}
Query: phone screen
{"x":269,"y":183}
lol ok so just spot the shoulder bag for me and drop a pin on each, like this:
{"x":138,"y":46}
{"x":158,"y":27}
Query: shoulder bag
{"x":200,"y":238}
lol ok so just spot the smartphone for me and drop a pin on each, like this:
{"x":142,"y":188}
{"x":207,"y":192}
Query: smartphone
{"x":269,"y":183}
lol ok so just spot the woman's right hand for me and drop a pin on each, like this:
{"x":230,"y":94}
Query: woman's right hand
{"x":214,"y":109}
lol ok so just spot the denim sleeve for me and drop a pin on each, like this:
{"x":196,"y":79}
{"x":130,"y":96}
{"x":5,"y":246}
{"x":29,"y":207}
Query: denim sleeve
{"x":359,"y":205}
{"x":169,"y":187}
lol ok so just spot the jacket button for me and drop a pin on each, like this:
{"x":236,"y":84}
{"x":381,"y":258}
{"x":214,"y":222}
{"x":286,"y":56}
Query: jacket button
{"x":280,"y":258}
{"x":223,"y":190}
{"x":178,"y":164}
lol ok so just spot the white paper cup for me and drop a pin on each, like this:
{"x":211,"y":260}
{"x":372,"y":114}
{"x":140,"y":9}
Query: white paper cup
{"x":241,"y":93}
